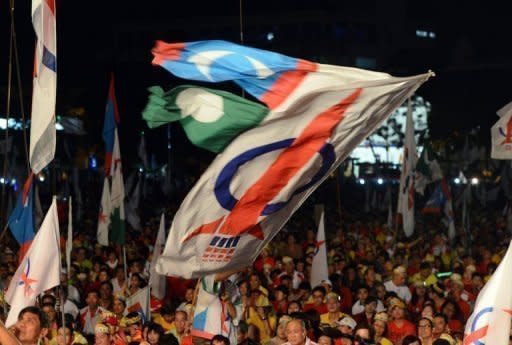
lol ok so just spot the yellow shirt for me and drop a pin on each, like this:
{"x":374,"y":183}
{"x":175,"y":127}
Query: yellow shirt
{"x":265,"y":332}
{"x":324,"y":318}
{"x":167,"y":326}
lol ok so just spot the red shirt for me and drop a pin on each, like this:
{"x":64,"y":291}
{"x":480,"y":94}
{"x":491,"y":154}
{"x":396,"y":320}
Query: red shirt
{"x":321,"y":309}
{"x":396,"y":334}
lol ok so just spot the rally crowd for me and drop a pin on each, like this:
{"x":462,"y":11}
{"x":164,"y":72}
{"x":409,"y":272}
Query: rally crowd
{"x":382,"y":289}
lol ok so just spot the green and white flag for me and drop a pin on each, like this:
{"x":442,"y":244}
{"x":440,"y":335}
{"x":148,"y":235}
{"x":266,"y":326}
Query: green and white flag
{"x":211,"y":118}
{"x":117,"y":216}
{"x":427,"y":169}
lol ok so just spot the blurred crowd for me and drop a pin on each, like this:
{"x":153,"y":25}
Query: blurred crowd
{"x":381,"y":288}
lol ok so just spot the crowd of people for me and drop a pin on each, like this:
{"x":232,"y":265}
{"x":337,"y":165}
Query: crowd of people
{"x":381,"y":289}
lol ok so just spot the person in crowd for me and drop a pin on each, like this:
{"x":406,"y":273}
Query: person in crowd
{"x":334,"y":313}
{"x":30,"y":329}
{"x":399,"y":327}
{"x":90,"y":314}
{"x":317,"y":300}
{"x":346,"y":325}
{"x":296,"y":333}
{"x":397,"y":284}
{"x":152,"y":333}
{"x":425,"y":331}
{"x":219,"y":339}
{"x":440,"y":323}
{"x":380,"y":322}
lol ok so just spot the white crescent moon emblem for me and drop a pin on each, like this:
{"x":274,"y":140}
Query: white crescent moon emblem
{"x":203,"y":60}
{"x":261,"y":69}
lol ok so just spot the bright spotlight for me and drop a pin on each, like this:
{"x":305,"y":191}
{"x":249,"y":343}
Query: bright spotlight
{"x":474,"y":181}
{"x":380,"y":181}
{"x":456,"y":180}
{"x":362,"y":181}
{"x":270,"y":36}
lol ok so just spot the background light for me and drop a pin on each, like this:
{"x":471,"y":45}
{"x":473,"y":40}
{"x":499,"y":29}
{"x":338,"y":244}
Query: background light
{"x":474,"y":181}
{"x":456,"y":180}
{"x":380,"y":181}
{"x":362,"y":181}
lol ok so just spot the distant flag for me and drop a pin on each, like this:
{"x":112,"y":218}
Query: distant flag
{"x":40,"y":268}
{"x":157,"y":281}
{"x":21,"y":220}
{"x":104,"y":215}
{"x":319,"y":265}
{"x":69,"y":238}
{"x":427,"y":169}
{"x":316,"y":115}
{"x":490,"y":321}
{"x":142,"y":152}
{"x":109,"y":125}
{"x":132,"y":205}
{"x":501,"y":134}
{"x":141,"y":303}
{"x":406,"y":191}
{"x":42,"y":121}
{"x":117,"y":215}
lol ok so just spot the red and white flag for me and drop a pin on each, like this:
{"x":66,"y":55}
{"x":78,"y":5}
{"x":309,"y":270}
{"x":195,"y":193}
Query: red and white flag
{"x":42,"y":121}
{"x":319,"y":265}
{"x":490,"y":321}
{"x":406,"y":191}
{"x":501,"y":134}
{"x":317,"y":115}
{"x":40,"y":268}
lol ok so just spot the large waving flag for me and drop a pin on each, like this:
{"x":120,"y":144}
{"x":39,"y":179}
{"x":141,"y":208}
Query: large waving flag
{"x":319,"y":270}
{"x":406,"y":191}
{"x":157,"y":281}
{"x":42,"y":121}
{"x":490,"y":321}
{"x":39,"y":270}
{"x":109,"y":125}
{"x":263,"y":176}
{"x":21,"y":220}
{"x":501,"y":134}
{"x":140,"y":302}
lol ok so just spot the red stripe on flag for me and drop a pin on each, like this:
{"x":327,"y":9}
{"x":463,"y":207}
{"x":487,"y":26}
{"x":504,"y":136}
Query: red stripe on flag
{"x":244,"y":216}
{"x":26,"y":188}
{"x":473,"y":337}
{"x":51,"y":5}
{"x":205,"y":229}
{"x":112,"y":98}
{"x":286,"y":83}
{"x":166,"y":51}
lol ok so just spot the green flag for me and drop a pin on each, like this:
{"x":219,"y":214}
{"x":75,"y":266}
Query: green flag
{"x":211,"y":118}
{"x":427,"y":169}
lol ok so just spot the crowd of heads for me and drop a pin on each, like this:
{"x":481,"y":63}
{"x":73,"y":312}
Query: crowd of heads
{"x":381,"y":288}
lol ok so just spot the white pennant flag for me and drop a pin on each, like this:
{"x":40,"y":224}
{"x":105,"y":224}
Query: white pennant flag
{"x":319,"y":266}
{"x":501,"y":133}
{"x":40,"y":268}
{"x":406,"y":191}
{"x":490,"y":321}
{"x":104,"y":215}
{"x":157,"y":281}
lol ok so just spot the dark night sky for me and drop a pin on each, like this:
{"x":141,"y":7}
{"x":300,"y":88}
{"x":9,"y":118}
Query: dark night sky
{"x":472,"y":54}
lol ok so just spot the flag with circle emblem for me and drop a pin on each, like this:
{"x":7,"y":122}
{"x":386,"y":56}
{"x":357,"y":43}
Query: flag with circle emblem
{"x":317,"y":115}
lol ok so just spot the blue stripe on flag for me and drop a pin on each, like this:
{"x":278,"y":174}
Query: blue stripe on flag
{"x":49,"y":60}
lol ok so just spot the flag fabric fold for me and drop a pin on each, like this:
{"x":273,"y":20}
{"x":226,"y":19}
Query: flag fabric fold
{"x":319,"y":265}
{"x":264,"y":174}
{"x":40,"y":268}
{"x":406,"y":189}
{"x":42,"y":120}
{"x":490,"y":321}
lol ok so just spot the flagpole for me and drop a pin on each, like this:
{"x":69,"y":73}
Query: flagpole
{"x":125,"y":265}
{"x":3,"y":215}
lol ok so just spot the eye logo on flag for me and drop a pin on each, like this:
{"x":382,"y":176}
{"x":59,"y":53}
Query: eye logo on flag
{"x":477,"y":334}
{"x":245,"y":212}
{"x":27,"y":281}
